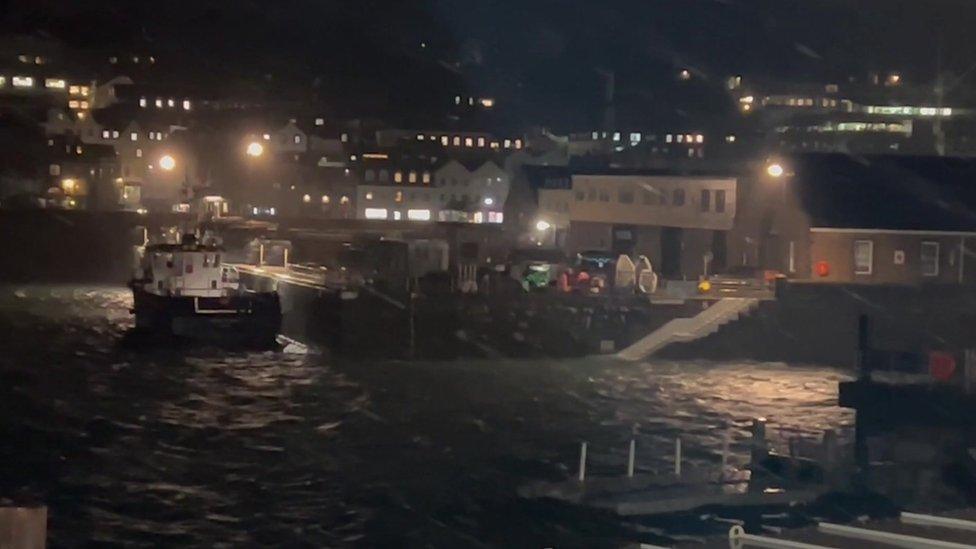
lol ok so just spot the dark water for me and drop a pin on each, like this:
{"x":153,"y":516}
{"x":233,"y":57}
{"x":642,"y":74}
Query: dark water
{"x":204,"y":448}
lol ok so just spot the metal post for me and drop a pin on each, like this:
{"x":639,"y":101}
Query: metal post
{"x":829,"y":444}
{"x":760,"y":449}
{"x":863,"y":365}
{"x":726,"y":438}
{"x":794,"y":447}
{"x":677,"y":456}
{"x":286,"y":258}
{"x":969,"y":371}
{"x":582,"y":463}
{"x":630,"y":458}
{"x":261,"y":254}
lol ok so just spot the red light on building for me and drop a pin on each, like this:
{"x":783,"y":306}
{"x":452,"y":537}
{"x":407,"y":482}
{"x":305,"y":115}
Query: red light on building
{"x":822,"y":268}
{"x":942,"y":365}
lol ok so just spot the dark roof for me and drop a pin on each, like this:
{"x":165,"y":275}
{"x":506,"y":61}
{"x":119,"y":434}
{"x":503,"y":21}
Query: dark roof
{"x":886,"y":192}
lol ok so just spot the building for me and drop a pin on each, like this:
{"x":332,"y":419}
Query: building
{"x":876,"y":220}
{"x":679,"y":222}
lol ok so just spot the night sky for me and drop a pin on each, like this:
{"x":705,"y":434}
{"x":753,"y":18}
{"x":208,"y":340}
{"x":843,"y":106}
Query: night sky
{"x":542,"y":56}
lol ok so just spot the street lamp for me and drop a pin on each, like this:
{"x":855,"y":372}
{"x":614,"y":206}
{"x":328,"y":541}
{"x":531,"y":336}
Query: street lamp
{"x":542,"y":225}
{"x":775,"y":170}
{"x":167,"y":163}
{"x":255,"y":149}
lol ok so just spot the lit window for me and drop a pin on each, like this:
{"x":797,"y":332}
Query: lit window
{"x":115,"y":134}
{"x":306,"y":199}
{"x":325,"y":199}
{"x":481,"y":141}
{"x":468,"y":142}
{"x":135,"y":59}
{"x":83,"y":104}
{"x":863,"y":257}
{"x":420,"y":137}
{"x":668,"y":138}
{"x":398,"y":177}
{"x":495,"y":144}
{"x":297,"y":138}
{"x":73,"y":104}
{"x":319,"y":121}
{"x":507,"y":143}
{"x":375,"y":213}
{"x":3,"y":81}
{"x":105,"y":134}
{"x":487,"y":102}
{"x":397,"y":215}
{"x":369,"y":195}
{"x":159,"y":103}
{"x":186,"y":104}
{"x":456,"y":141}
{"x":426,"y":177}
{"x":266,"y":137}
{"x":418,"y":215}
{"x":23,"y":82}
{"x":518,"y":143}
{"x":398,"y":196}
{"x":730,"y":138}
{"x":170,"y":103}
{"x":78,"y":149}
{"x":133,"y":136}
{"x":445,"y":140}
{"x":54,"y":83}
{"x":344,"y":200}
{"x":113,"y":60}
{"x":142,"y":101}
{"x":681,"y":138}
{"x":930,"y":259}
{"x":344,"y":137}
{"x":457,"y":99}
{"x":84,"y":90}
{"x":138,"y":153}
{"x":412,"y":177}
{"x":699,"y":138}
{"x":479,"y":217}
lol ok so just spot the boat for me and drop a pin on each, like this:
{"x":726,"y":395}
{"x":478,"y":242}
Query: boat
{"x":184,"y":290}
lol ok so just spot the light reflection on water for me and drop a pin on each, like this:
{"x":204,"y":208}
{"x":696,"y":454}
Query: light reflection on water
{"x":210,"y":448}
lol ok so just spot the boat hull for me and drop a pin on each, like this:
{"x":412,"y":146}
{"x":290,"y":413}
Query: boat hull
{"x":246,"y":319}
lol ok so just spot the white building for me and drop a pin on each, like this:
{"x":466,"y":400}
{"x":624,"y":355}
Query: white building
{"x":452,"y":193}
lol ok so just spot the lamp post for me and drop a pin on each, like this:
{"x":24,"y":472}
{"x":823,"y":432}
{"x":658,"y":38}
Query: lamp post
{"x":543,"y":226}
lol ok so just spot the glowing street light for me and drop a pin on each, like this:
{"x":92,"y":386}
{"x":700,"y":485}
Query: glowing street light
{"x":542,"y":225}
{"x":255,"y":149}
{"x":167,"y":163}
{"x":775,"y":170}
{"x":489,"y":201}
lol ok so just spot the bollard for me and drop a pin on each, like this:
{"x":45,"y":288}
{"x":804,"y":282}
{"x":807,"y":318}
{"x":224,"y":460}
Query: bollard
{"x":261,"y":254}
{"x":677,"y":456}
{"x":285,"y":262}
{"x":760,"y":449}
{"x":582,"y":464}
{"x":630,"y":458}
